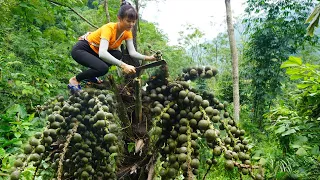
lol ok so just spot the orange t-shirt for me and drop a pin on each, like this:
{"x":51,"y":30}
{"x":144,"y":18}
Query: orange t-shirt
{"x":108,"y":32}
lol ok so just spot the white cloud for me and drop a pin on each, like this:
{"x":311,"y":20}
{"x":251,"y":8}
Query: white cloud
{"x":206,"y":15}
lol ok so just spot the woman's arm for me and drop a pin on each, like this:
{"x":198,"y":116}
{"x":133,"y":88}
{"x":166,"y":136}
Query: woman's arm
{"x":133,"y":53}
{"x":107,"y":57}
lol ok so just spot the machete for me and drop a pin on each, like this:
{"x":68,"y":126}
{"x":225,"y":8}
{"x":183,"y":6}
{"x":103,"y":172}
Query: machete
{"x":150,"y":65}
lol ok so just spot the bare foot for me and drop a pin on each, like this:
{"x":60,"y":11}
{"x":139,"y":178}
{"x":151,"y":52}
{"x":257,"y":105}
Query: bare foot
{"x":73,"y":81}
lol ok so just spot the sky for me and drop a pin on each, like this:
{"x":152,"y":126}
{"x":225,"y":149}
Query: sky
{"x":206,"y":15}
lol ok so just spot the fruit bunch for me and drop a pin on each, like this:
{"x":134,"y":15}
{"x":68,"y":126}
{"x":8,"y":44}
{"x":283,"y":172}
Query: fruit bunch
{"x":192,"y":73}
{"x":81,"y":141}
{"x":84,"y":139}
{"x":181,"y":117}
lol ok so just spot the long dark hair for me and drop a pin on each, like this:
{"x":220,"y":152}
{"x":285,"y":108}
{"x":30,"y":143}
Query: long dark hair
{"x":126,"y":10}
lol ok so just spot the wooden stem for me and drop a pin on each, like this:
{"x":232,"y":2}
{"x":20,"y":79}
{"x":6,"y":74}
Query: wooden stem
{"x":65,"y":148}
{"x":121,"y":107}
{"x":138,"y":103}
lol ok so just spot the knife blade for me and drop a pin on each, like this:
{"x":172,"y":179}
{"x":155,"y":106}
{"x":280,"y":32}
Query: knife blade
{"x":150,"y":65}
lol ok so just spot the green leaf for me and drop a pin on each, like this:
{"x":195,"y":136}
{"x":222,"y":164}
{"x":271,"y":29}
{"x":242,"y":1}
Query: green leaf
{"x":262,"y":161}
{"x":295,"y":76}
{"x":301,"y":152}
{"x":301,"y":140}
{"x":315,"y":150}
{"x":17,"y":134}
{"x":12,"y":141}
{"x":290,"y":131}
{"x":296,"y":146}
{"x":17,"y":108}
{"x":2,"y":153}
{"x":314,"y":14}
{"x":293,"y":71}
{"x":31,"y":116}
{"x":280,"y":130}
{"x":112,"y":68}
{"x":45,"y":164}
{"x":302,"y":86}
{"x":292,"y":62}
{"x":131,"y":147}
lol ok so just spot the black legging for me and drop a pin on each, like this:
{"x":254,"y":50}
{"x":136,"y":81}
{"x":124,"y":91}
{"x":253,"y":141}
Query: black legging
{"x":84,"y":55}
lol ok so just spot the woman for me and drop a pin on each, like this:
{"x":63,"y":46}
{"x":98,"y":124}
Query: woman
{"x":100,"y":49}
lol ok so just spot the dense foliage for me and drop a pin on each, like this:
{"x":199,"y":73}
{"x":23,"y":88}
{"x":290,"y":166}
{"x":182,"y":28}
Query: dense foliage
{"x":277,"y":30}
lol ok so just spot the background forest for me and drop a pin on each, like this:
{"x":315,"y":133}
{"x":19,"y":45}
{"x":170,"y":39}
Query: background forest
{"x":278,"y":64}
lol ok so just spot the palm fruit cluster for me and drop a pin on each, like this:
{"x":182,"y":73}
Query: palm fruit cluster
{"x":192,"y":73}
{"x":81,"y":141}
{"x":181,"y":117}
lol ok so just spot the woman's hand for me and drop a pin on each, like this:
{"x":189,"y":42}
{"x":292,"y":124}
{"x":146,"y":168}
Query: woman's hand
{"x":128,"y":69}
{"x":150,"y":58}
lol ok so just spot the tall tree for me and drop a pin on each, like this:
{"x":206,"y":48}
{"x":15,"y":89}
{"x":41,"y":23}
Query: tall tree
{"x":235,"y":70}
{"x":106,"y":7}
{"x":277,"y":30}
{"x":135,"y":27}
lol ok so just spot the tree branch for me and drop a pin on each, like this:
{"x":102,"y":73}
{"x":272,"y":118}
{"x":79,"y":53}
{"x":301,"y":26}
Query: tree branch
{"x":57,"y":3}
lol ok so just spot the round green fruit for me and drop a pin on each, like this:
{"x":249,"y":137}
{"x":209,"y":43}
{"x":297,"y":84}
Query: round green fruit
{"x":51,"y":118}
{"x":205,"y":103}
{"x":198,"y":115}
{"x":27,"y":149}
{"x":77,"y":137}
{"x":55,"y":125}
{"x":215,"y":119}
{"x":59,"y":118}
{"x":47,"y":140}
{"x":209,"y":110}
{"x":84,"y":174}
{"x":182,"y":94}
{"x":210,"y":135}
{"x":40,"y":149}
{"x":183,"y":138}
{"x":34,"y":142}
{"x":183,"y":121}
{"x":195,"y":163}
{"x":34,"y":157}
{"x":15,"y":175}
{"x":100,"y":124}
{"x":198,"y":99}
{"x":214,"y":71}
{"x":110,"y":137}
{"x":38,"y":135}
{"x":18,"y":163}
{"x":203,"y":124}
{"x":182,"y":157}
{"x":113,"y":149}
{"x":157,"y":110}
{"x":217,"y":151}
{"x":258,"y":177}
{"x":229,"y":165}
{"x":101,"y":115}
{"x":113,"y":128}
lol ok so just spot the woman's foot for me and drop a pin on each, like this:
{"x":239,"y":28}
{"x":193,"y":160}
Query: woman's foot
{"x":73,"y":81}
{"x":74,"y":85}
